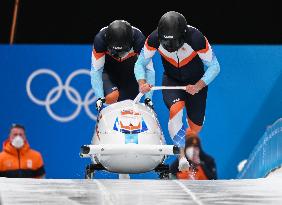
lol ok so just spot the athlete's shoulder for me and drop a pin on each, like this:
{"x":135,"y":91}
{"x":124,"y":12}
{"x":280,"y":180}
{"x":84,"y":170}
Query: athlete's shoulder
{"x":138,"y":39}
{"x":196,"y":38}
{"x":137,"y":33}
{"x":99,"y":41}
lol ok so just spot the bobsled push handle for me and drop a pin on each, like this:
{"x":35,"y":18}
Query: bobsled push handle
{"x":140,"y":95}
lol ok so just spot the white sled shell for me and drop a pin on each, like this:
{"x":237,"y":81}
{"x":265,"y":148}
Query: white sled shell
{"x":129,"y":124}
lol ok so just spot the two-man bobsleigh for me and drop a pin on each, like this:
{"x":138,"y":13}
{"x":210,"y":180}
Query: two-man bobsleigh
{"x":128,"y":139}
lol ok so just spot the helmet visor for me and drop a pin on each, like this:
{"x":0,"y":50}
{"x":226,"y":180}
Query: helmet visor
{"x":118,"y":51}
{"x":171,"y":45}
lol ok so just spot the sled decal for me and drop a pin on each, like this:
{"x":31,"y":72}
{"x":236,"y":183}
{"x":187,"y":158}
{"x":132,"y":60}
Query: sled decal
{"x":130,"y":122}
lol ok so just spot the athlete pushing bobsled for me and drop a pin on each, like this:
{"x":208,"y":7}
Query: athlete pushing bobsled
{"x":189,"y":61}
{"x":114,"y":54}
{"x":115,"y":51}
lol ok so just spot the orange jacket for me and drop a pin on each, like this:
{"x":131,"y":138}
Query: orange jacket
{"x":193,"y":174}
{"x":22,"y":163}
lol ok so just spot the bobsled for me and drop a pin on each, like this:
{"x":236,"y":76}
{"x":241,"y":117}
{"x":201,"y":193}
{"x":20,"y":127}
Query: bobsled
{"x":128,"y":139}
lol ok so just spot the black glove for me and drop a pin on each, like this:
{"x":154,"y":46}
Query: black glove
{"x":148,"y":102}
{"x":99,"y":103}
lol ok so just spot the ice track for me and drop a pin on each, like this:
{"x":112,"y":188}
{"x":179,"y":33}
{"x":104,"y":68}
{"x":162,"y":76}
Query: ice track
{"x":134,"y":192}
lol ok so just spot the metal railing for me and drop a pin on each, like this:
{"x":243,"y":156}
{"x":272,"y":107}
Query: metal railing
{"x":266,"y":155}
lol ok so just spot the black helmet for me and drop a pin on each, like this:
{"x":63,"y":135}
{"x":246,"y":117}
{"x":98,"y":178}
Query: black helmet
{"x":171,"y":30}
{"x":119,"y":38}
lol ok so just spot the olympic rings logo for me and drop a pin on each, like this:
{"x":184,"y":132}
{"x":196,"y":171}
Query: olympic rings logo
{"x":55,"y":93}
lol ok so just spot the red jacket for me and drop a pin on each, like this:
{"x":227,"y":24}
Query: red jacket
{"x":20,"y":163}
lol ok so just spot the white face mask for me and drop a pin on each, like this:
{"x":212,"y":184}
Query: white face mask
{"x":18,"y":142}
{"x":189,"y":152}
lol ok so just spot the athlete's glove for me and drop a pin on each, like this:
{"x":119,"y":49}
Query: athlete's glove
{"x":99,"y":103}
{"x":148,"y":102}
{"x":183,"y":164}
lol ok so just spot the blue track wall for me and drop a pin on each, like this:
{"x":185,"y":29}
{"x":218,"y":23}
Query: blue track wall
{"x":242,"y":101}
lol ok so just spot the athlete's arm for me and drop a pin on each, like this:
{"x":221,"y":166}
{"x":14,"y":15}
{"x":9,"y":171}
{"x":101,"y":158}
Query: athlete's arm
{"x":212,"y":69}
{"x":209,"y":59}
{"x":97,"y":66}
{"x":144,"y":69}
{"x":201,"y":45}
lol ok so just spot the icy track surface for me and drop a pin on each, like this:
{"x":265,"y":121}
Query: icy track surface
{"x":134,"y":192}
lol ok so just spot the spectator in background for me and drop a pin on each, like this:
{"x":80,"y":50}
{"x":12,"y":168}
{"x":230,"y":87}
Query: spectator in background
{"x":18,"y":160}
{"x":202,"y":166}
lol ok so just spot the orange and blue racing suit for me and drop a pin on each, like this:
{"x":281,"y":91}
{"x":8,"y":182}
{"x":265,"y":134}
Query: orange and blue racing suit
{"x":194,"y":61}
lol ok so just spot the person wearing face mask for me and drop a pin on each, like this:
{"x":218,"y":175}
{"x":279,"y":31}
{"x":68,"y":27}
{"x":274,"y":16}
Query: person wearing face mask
{"x":18,"y":160}
{"x":188,"y":60}
{"x":202,"y":165}
{"x":114,"y":54}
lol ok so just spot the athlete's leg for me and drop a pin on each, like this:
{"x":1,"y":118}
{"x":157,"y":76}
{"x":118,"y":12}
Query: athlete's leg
{"x":110,"y":89}
{"x":112,"y":97}
{"x":129,"y":91}
{"x":174,"y":100}
{"x":196,"y":107}
{"x":193,"y":128}
{"x":121,"y":75}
